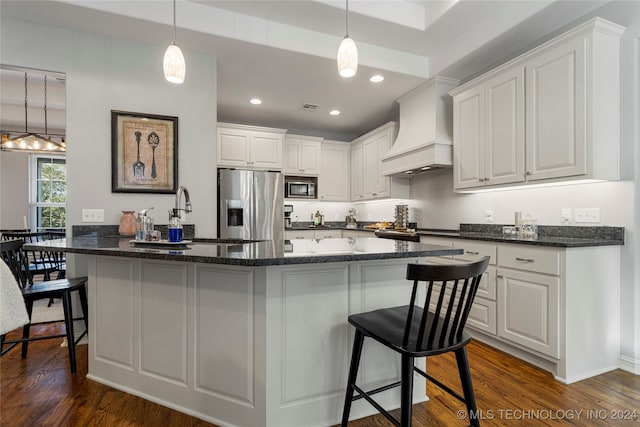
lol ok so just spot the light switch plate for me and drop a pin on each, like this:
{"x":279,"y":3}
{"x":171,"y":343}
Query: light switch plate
{"x":566,"y":215}
{"x":591,"y":215}
{"x":92,"y":215}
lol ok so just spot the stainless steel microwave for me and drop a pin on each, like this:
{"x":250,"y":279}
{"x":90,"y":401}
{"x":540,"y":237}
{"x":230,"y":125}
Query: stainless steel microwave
{"x":300,"y":188}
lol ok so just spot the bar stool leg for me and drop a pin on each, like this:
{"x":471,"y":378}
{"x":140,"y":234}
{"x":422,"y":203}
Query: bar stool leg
{"x":406,"y":394}
{"x":68,"y":324}
{"x":26,"y":328}
{"x":82,"y":291}
{"x":353,"y":373}
{"x":467,"y":387}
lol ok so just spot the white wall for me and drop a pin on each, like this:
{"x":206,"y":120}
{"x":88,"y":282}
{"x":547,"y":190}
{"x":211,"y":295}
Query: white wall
{"x":14,"y":189}
{"x":105,"y":73}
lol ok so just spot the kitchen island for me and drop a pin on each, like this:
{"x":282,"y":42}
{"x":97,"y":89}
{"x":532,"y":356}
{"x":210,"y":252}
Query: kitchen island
{"x":247,"y":334}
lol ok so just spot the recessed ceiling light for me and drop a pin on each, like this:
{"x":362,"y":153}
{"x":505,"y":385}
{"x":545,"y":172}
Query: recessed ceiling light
{"x":334,"y":112}
{"x":425,"y":168}
{"x":408,"y":172}
{"x":376,"y":78}
{"x":256,"y":101}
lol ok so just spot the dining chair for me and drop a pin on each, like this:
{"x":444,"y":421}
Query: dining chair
{"x":41,"y":262}
{"x":416,"y":331}
{"x":14,"y":256}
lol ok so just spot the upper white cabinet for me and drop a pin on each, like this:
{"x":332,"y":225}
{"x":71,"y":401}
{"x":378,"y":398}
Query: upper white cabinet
{"x":489,"y":131}
{"x":249,"y":146}
{"x":550,"y":114}
{"x":301,"y":155}
{"x":333,"y":182}
{"x":367,"y":181}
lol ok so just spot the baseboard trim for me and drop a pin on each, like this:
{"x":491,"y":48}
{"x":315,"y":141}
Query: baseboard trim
{"x":630,"y":365}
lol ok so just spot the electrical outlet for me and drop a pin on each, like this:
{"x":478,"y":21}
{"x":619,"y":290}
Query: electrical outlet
{"x":488,"y":215}
{"x":566,"y":215}
{"x":591,"y":215}
{"x":92,"y":215}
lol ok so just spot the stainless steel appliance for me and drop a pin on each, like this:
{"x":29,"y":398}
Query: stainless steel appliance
{"x":297,"y":187}
{"x":250,"y":205}
{"x":288,"y":210}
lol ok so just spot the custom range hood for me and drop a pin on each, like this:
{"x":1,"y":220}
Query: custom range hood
{"x":424,"y":141}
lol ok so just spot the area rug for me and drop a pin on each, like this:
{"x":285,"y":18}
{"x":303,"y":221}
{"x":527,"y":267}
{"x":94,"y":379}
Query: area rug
{"x":42,"y":313}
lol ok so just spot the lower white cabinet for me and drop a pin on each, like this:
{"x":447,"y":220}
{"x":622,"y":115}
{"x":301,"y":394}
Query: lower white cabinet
{"x":529,"y":309}
{"x":557,"y":308}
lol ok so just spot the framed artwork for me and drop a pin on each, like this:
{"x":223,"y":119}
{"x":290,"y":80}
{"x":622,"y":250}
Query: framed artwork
{"x":144,"y":153}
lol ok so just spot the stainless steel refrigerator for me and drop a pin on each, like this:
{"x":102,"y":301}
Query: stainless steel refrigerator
{"x":250,"y":205}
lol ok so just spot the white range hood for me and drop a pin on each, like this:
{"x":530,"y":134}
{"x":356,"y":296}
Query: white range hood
{"x":424,"y":140}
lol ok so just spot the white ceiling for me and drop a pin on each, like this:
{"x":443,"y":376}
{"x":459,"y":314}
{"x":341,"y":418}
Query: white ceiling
{"x":284,"y":51}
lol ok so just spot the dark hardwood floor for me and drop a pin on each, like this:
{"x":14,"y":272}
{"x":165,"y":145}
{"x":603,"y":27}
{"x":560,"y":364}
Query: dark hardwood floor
{"x":40,"y":391}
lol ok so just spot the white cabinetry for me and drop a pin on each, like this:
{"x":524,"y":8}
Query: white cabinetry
{"x":367,"y":181}
{"x":249,"y":146}
{"x":556,"y":308}
{"x":528,"y":295}
{"x":561,"y":125}
{"x":357,"y":190}
{"x":489,"y":131}
{"x":313,"y":234}
{"x":333,"y":182}
{"x":301,"y":155}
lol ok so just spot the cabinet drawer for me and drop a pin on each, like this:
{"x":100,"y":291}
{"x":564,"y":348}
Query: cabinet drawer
{"x":483,"y":316}
{"x":327,"y":234}
{"x":487,"y":287}
{"x":474,"y":251}
{"x":539,"y":260}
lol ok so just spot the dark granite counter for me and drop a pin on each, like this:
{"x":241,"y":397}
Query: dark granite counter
{"x":548,"y":235}
{"x":216,"y":251}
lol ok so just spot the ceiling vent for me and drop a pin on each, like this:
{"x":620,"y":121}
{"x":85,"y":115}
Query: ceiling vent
{"x":424,"y":141}
{"x":309,"y":107}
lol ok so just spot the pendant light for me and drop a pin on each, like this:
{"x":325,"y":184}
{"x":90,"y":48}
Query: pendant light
{"x":347,"y":53}
{"x":32,"y":142}
{"x":173,"y":64}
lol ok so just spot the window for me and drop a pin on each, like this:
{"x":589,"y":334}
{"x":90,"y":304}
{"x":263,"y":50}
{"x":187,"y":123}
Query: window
{"x":48,"y":192}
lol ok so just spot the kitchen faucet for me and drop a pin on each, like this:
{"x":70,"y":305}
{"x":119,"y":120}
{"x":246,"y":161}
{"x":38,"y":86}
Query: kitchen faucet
{"x":187,"y":202}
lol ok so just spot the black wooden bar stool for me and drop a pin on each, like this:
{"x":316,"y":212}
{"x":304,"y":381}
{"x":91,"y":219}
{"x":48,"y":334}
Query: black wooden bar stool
{"x":416,"y":332}
{"x":13,"y":255}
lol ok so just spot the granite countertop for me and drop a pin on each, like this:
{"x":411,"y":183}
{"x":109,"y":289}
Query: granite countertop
{"x":279,"y":252}
{"x":557,"y":236}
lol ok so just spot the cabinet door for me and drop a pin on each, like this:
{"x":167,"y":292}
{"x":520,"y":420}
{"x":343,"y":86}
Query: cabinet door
{"x":556,"y":112}
{"x":265,"y":150}
{"x":310,"y":157}
{"x":383,"y":183}
{"x":291,"y":161}
{"x":528,"y":310}
{"x":232,"y":147}
{"x":333,"y":181}
{"x":370,"y":168}
{"x":468,"y":138}
{"x":504,"y":120}
{"x":357,"y":174}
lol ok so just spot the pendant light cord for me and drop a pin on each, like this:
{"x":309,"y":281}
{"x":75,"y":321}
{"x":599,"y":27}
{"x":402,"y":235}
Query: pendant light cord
{"x":46,"y":129}
{"x":174,"y":21}
{"x":347,"y":18}
{"x":25,"y":104}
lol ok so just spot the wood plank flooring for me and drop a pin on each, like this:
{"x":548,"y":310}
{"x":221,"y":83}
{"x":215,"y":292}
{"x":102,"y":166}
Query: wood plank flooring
{"x":40,"y":391}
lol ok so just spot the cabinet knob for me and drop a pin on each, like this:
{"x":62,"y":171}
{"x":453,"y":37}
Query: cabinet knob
{"x":500,"y":276}
{"x":529,"y":173}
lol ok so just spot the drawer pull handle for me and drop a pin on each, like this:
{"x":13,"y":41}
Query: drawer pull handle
{"x":472,"y":252}
{"x":525,"y":259}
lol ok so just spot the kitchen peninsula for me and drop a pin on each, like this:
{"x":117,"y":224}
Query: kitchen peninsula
{"x":248,"y":334}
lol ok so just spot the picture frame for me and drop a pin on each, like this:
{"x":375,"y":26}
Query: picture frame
{"x":144,"y":153}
